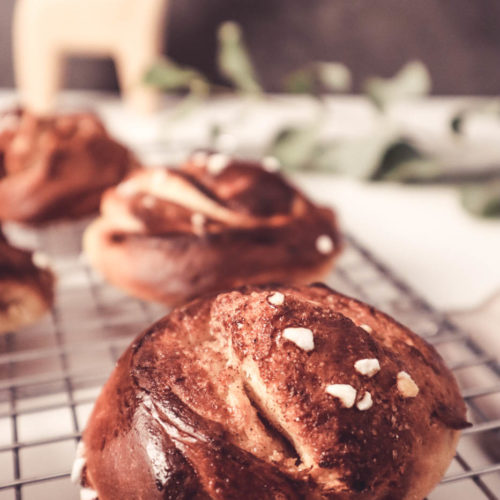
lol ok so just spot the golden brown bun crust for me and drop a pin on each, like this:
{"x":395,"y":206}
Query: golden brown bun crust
{"x":214,"y":401}
{"x":56,"y":167}
{"x":170,"y":235}
{"x":26,"y":291}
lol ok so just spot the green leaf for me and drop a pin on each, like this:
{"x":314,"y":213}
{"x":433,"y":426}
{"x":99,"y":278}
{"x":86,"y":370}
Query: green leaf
{"x":457,"y":123}
{"x":234,"y":61}
{"x":358,"y":157}
{"x":485,"y":108}
{"x":482,"y":200}
{"x":334,"y":76}
{"x":301,"y":81}
{"x":403,"y":162}
{"x":412,"y":80}
{"x":166,"y":75}
{"x":199,"y":90}
{"x":379,"y":156}
{"x":295,"y":147}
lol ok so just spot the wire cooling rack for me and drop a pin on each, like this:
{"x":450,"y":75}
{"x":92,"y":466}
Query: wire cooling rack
{"x":51,"y":372}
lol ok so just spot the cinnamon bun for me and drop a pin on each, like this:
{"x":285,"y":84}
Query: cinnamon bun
{"x":273,"y":392}
{"x":168,"y":235}
{"x":26,"y":286}
{"x":56,"y":167}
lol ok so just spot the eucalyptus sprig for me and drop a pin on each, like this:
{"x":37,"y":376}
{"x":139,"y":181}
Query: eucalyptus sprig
{"x":318,"y":77}
{"x":482,"y":200}
{"x":386,"y":154}
{"x":233,"y":60}
{"x":458,"y":121}
{"x":234,"y":64}
{"x":412,"y":80}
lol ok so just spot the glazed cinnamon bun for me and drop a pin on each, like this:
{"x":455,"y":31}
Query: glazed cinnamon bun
{"x":56,"y":167}
{"x":273,"y":392}
{"x":26,"y":286}
{"x":169,"y":235}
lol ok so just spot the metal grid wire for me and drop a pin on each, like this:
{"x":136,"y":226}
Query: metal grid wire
{"x":51,"y":372}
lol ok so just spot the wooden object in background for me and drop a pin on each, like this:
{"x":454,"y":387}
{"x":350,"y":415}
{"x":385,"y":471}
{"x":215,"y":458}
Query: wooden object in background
{"x":46,"y":31}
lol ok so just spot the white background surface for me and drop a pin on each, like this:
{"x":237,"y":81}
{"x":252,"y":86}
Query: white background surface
{"x":424,"y":234}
